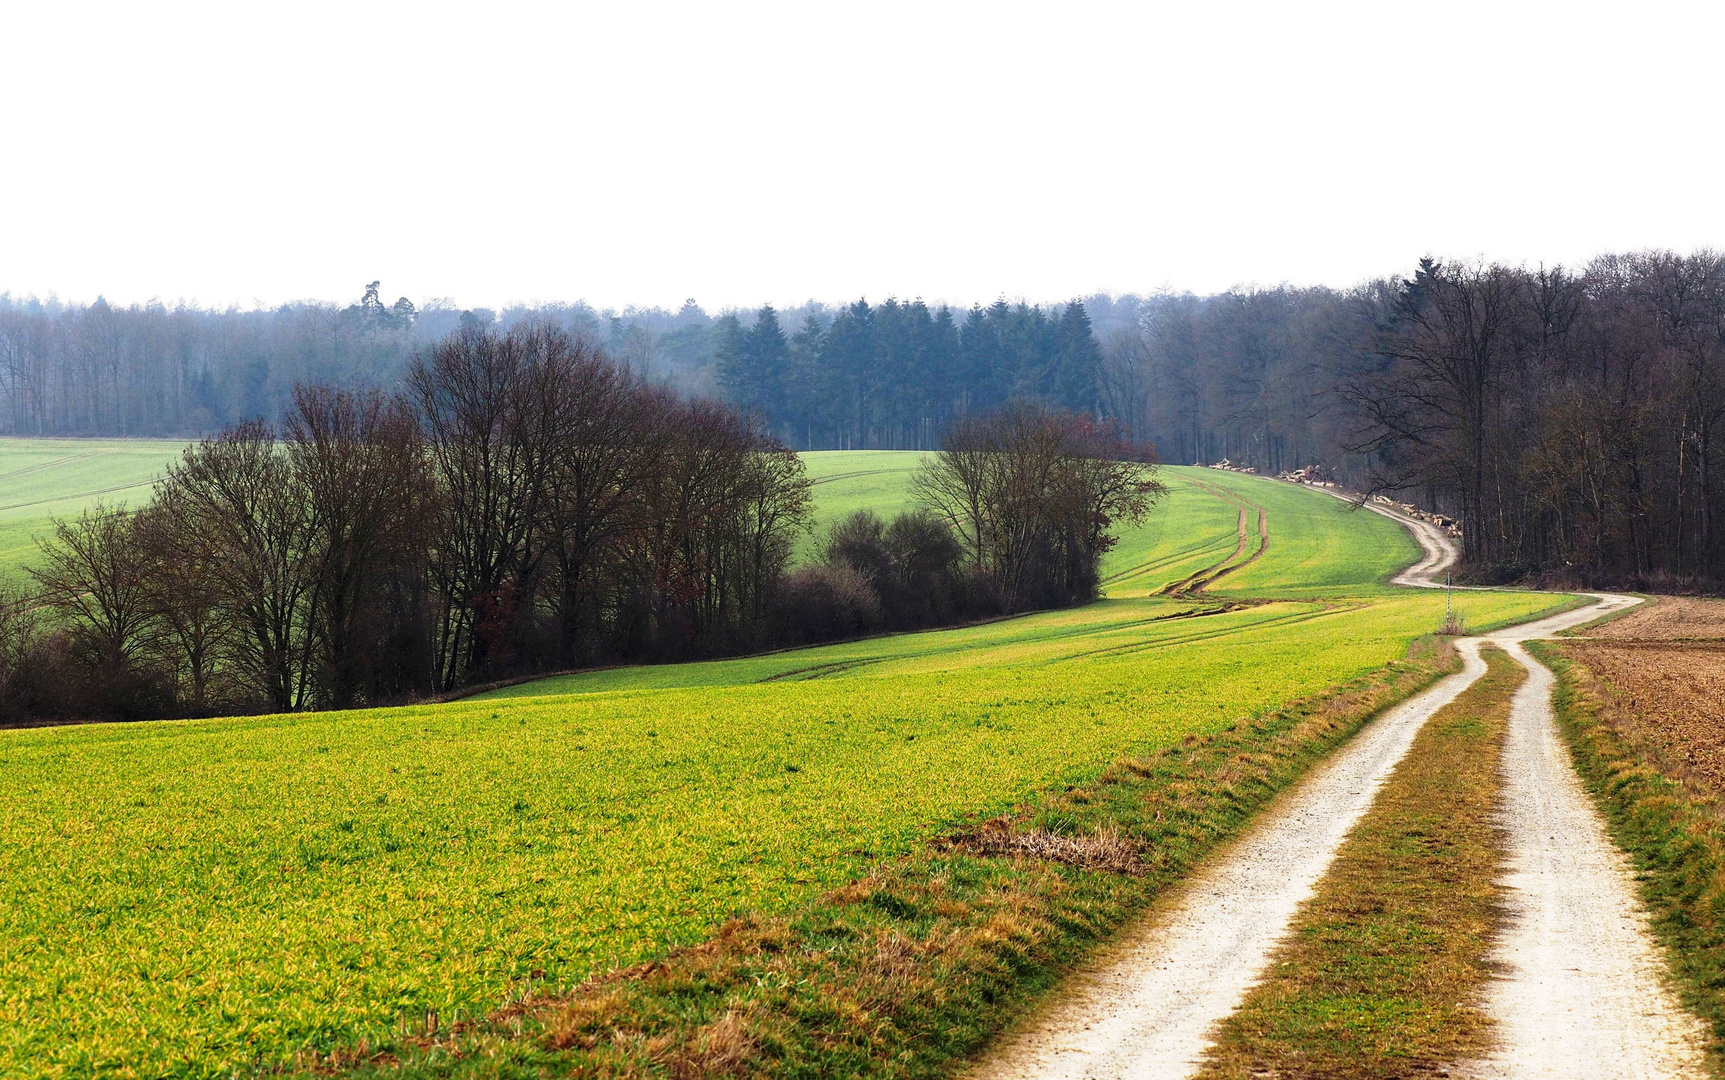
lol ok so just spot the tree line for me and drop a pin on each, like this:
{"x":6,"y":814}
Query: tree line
{"x":894,"y":375}
{"x":886,"y":376}
{"x":523,"y":504}
{"x":1572,"y":419}
{"x":1568,"y":417}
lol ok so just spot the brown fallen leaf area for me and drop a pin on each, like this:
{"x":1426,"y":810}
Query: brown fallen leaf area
{"x":1663,"y":670}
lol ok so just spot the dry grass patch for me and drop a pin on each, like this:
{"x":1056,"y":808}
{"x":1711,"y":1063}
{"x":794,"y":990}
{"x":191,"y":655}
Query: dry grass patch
{"x":1384,"y":969}
{"x":1102,"y":849}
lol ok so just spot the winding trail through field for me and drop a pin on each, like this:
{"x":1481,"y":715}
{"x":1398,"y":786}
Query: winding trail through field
{"x":1582,"y":993}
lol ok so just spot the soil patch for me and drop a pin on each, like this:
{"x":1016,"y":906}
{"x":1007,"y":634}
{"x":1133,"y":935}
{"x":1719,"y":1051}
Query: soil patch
{"x":1669,"y":618}
{"x":1666,"y":699}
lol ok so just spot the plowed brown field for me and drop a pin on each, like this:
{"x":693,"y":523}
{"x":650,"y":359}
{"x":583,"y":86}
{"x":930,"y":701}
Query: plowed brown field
{"x":1662,"y":667}
{"x":1669,"y":618}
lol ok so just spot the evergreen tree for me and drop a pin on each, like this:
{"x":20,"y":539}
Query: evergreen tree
{"x":768,"y":355}
{"x":848,"y":355}
{"x":1077,"y":370}
{"x":731,"y":358}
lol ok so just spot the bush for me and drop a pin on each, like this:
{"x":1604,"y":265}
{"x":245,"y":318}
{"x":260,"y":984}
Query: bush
{"x":858,"y":541}
{"x":828,"y":602}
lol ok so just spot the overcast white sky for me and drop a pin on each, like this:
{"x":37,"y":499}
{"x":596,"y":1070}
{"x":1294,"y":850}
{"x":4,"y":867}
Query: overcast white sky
{"x":629,"y":152}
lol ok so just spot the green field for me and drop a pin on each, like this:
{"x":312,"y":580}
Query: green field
{"x":192,"y":898}
{"x":849,"y":480}
{"x":45,"y":478}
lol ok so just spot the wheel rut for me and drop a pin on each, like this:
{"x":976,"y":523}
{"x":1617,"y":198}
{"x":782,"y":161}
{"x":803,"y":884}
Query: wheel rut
{"x":1198,"y":582}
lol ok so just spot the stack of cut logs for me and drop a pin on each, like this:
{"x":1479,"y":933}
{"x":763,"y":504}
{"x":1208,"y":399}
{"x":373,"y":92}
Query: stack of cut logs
{"x":1442,"y":521}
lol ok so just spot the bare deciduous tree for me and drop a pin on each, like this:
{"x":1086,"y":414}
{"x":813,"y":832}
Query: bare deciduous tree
{"x":1034,"y":496}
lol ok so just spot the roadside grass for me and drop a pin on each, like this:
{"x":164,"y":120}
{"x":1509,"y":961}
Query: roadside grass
{"x":914,"y":966}
{"x":1384,"y":970}
{"x":43,"y":478}
{"x":1674,"y":832}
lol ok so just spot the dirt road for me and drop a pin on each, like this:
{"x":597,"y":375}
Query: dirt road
{"x":1146,"y":1010}
{"x":1583,"y":992}
{"x":1582,"y":996}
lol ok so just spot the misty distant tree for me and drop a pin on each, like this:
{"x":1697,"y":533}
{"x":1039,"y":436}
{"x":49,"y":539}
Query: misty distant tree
{"x":754,"y":362}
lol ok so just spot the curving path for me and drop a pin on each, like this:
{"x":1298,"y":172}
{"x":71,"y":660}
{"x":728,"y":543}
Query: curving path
{"x":1583,"y":991}
{"x":1582,"y":994}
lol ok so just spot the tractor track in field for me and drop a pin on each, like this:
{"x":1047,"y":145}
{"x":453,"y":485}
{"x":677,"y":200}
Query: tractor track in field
{"x":41,"y":466}
{"x":78,"y":495}
{"x":1581,"y":991}
{"x":1203,"y":579}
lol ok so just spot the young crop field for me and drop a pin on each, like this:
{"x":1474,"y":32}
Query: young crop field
{"x":849,"y":480}
{"x":45,"y":478}
{"x":197,"y":897}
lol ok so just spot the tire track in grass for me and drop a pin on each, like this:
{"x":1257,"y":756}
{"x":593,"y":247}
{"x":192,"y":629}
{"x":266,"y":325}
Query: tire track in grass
{"x":39,"y":467}
{"x":79,"y":495}
{"x":1282,"y":621}
{"x":1208,"y":576}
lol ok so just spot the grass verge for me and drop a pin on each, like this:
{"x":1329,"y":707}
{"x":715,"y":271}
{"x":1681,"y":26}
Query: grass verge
{"x":1383,"y":973}
{"x":914,"y":966}
{"x":1673,"y":831}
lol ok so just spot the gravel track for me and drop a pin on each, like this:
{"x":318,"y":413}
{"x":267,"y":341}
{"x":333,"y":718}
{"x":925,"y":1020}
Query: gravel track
{"x":1583,"y":992}
{"x":1582,"y":995}
{"x":1146,"y":1010}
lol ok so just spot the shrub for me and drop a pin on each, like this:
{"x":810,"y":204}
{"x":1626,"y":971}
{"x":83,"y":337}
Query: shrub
{"x":826,"y":603}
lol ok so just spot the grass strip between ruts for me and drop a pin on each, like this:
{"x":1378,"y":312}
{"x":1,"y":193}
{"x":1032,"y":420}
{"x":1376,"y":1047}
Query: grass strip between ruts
{"x":1674,"y":833}
{"x":915,"y":966}
{"x":1384,"y":971}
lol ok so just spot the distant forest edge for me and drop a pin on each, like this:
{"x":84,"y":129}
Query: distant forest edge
{"x":883,"y":376}
{"x":1569,"y":418}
